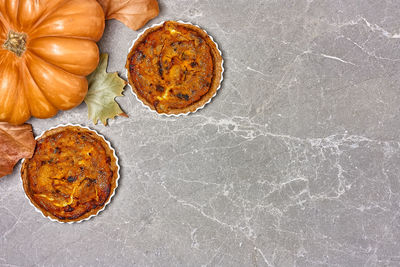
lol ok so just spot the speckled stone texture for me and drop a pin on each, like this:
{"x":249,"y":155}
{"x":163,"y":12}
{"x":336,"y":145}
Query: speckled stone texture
{"x":296,"y":162}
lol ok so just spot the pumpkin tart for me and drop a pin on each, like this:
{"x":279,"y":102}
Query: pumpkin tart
{"x":72,"y":174}
{"x":174,"y":68}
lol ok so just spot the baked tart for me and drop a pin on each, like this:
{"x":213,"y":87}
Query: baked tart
{"x":72,"y":175}
{"x":174,"y":68}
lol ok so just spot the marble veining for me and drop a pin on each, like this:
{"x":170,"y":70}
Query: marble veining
{"x":296,"y":161}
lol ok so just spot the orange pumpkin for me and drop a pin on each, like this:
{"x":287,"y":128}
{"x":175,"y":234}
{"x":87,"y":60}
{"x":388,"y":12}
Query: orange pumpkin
{"x":48,"y":47}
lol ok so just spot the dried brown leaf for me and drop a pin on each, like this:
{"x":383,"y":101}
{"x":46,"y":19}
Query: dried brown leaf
{"x":16,"y":142}
{"x":133,"y":13}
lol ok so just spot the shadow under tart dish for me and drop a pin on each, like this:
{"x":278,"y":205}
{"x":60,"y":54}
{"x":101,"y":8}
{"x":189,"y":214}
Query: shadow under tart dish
{"x":72,"y":174}
{"x":174,"y":68}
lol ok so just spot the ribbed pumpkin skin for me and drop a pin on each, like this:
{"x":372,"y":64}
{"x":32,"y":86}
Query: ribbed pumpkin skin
{"x":61,"y":50}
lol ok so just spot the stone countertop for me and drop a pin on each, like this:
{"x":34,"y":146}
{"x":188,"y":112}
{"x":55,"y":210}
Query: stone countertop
{"x":295,"y":162}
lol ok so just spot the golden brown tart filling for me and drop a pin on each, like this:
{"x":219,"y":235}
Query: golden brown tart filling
{"x":174,"y":68}
{"x":71,"y":175}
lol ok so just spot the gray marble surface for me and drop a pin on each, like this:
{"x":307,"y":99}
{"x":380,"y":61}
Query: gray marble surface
{"x":296,"y":162}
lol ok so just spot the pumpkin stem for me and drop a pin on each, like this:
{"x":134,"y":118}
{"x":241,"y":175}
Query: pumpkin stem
{"x":16,"y":42}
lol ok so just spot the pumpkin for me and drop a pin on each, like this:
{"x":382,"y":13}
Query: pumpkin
{"x":48,"y":47}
